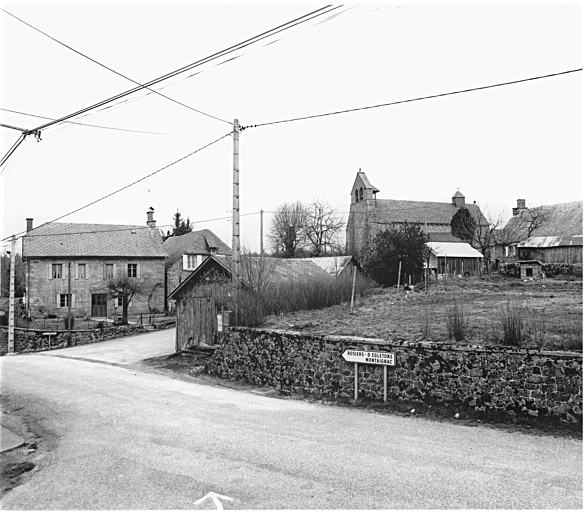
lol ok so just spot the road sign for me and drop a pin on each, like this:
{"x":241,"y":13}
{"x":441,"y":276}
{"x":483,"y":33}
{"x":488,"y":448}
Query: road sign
{"x":365,"y":357}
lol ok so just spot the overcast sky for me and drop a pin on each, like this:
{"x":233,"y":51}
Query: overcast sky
{"x":494,"y":145}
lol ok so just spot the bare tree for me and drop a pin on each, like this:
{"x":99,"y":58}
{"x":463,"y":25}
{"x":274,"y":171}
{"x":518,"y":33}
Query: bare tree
{"x":323,"y":228}
{"x":485,"y":236}
{"x":287,"y":229}
{"x":533,"y":218}
{"x":126,"y":287}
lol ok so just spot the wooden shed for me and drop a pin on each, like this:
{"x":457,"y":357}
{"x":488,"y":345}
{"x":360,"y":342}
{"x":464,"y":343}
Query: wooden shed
{"x":200,"y":304}
{"x":454,"y":258}
{"x":529,"y":269}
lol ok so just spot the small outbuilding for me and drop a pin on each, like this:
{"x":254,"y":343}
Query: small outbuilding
{"x":454,"y":258}
{"x":530,"y":269}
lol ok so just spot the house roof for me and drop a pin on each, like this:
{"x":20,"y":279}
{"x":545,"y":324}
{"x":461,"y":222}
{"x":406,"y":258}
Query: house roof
{"x":454,"y":250}
{"x":196,"y":242}
{"x":92,"y":240}
{"x":551,"y":241}
{"x":561,"y":219}
{"x":333,"y":265}
{"x":394,"y":211}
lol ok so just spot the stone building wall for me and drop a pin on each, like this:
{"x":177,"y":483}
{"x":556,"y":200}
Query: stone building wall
{"x":505,"y":380}
{"x":43,"y":290}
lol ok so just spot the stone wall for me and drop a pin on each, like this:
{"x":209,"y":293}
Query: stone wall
{"x":492,"y":379}
{"x":44,"y":291}
{"x":33,"y":340}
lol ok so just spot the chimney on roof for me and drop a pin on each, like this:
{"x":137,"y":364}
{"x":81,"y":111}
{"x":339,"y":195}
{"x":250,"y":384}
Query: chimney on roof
{"x":520,"y":205}
{"x":458,"y":199}
{"x":29,"y":224}
{"x":150,"y":222}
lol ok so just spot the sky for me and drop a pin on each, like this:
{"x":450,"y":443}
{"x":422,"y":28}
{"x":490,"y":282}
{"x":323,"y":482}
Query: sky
{"x":496,"y":145}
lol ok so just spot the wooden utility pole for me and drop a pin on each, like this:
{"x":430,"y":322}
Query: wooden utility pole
{"x":236,"y":208}
{"x":11,"y":300}
{"x":261,"y":233}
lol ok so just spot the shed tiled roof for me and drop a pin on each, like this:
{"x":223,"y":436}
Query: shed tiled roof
{"x":395,"y":211}
{"x":92,"y":240}
{"x":196,"y":242}
{"x":562,"y":219}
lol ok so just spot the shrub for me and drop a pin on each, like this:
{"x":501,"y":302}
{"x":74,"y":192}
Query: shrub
{"x":455,"y":320}
{"x":512,"y":322}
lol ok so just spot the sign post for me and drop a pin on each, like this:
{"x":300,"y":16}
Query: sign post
{"x":365,"y":357}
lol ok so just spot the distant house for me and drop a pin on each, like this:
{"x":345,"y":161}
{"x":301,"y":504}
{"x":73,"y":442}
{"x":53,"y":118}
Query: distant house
{"x":68,"y":266}
{"x":555,"y":237}
{"x":369,"y":215}
{"x":186,"y":252}
{"x":458,"y":259}
{"x":202,"y":298}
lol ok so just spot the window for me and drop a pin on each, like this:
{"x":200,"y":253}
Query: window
{"x":119,"y":301}
{"x":506,"y":251}
{"x":191,"y":261}
{"x":356,"y":195}
{"x":81,"y":271}
{"x":361,"y":194}
{"x":132,"y":269}
{"x":109,"y":271}
{"x":64,"y":300}
{"x":57,"y":271}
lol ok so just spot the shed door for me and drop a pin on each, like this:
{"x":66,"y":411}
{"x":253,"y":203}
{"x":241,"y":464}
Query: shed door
{"x":197,"y":323}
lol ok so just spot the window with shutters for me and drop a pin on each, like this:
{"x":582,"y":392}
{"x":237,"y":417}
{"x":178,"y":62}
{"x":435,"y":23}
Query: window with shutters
{"x":57,"y":271}
{"x":192,"y":261}
{"x":64,"y":300}
{"x":81,"y":271}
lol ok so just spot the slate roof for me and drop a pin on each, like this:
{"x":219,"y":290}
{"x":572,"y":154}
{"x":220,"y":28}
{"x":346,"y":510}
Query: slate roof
{"x":196,"y":242}
{"x":454,"y":250}
{"x":92,"y":240}
{"x":563,"y":219}
{"x":366,"y":181}
{"x":395,"y":211}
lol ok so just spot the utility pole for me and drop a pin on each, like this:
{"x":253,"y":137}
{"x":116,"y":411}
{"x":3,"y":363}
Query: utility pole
{"x":236,"y":208}
{"x":261,"y":233}
{"x":11,"y":300}
{"x":69,"y":304}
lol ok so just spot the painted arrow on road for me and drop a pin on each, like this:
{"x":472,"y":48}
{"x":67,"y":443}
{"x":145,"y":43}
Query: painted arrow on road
{"x":215,"y":498}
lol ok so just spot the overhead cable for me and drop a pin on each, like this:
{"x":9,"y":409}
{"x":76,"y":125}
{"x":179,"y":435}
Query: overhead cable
{"x":412,"y":99}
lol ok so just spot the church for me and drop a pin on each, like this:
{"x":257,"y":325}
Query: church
{"x":369,"y":215}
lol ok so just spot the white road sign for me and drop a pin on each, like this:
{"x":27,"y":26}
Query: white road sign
{"x":364,"y":357}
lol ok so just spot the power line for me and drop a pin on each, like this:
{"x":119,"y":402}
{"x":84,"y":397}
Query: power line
{"x":113,"y":70}
{"x":130,"y":184}
{"x":222,"y":53}
{"x":85,"y":124}
{"x":412,"y":99}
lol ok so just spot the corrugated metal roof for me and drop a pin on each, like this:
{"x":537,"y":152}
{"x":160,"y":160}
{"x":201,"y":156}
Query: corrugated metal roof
{"x":454,"y":250}
{"x":551,"y":241}
{"x":92,"y":240}
{"x":333,"y":265}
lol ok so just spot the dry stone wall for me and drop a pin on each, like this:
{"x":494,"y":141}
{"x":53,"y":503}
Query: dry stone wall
{"x":492,"y":379}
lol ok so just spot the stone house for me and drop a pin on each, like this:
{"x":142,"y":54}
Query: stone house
{"x":68,"y":266}
{"x":369,"y":215}
{"x":186,"y":252}
{"x":549,"y":233}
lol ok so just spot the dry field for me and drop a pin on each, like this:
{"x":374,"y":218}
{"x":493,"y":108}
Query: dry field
{"x":550,"y":313}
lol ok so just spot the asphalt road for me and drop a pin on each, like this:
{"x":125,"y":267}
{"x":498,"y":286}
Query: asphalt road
{"x":120,"y":437}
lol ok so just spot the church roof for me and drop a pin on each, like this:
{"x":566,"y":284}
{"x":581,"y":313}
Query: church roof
{"x":390,"y":211}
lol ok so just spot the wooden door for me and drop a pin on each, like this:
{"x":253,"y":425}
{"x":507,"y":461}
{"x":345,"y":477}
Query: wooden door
{"x":99,"y":305}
